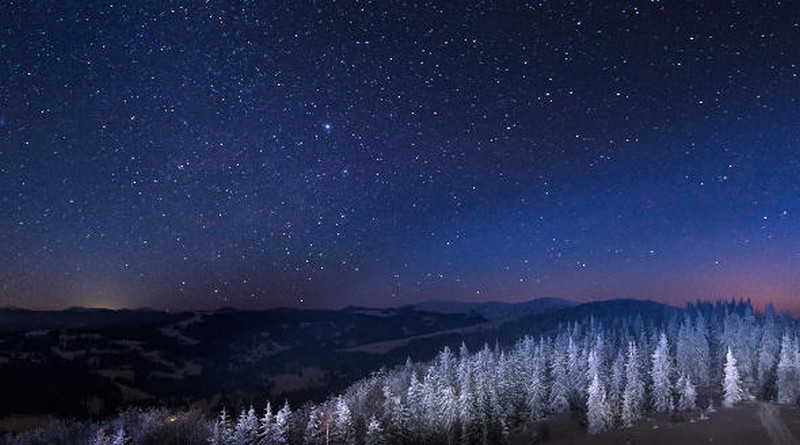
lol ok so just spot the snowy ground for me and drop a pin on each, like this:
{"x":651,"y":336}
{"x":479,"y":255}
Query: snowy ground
{"x":746,"y":424}
{"x":772,"y":421}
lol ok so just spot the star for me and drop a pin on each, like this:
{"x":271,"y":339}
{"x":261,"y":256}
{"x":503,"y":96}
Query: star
{"x":250,"y":148}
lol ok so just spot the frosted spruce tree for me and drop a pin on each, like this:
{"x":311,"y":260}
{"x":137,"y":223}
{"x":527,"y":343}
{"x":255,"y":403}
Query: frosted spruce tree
{"x":633,"y":395}
{"x":536,"y":389}
{"x":222,"y":430}
{"x":616,"y":384}
{"x":99,"y":438}
{"x":731,"y":383}
{"x":702,"y":353}
{"x":447,"y":407}
{"x":685,"y":347}
{"x":576,"y":371}
{"x":265,"y":425}
{"x":119,"y":438}
{"x":768,"y":353}
{"x":787,"y":371}
{"x":661,"y":393}
{"x":413,"y":406}
{"x":559,"y":387}
{"x":246,"y":429}
{"x":687,"y":394}
{"x":342,"y":431}
{"x":598,"y":414}
{"x":280,"y":429}
{"x":315,"y":430}
{"x":393,"y":419}
{"x":467,"y":410}
{"x":374,"y":434}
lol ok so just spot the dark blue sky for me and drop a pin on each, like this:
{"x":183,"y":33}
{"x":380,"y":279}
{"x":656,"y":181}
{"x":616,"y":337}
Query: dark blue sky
{"x":319,"y":154}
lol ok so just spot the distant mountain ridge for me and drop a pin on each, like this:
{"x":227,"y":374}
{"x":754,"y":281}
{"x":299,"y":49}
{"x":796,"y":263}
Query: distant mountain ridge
{"x":494,"y":310}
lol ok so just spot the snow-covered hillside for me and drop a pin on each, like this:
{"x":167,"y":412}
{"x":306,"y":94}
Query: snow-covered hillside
{"x":606,"y":368}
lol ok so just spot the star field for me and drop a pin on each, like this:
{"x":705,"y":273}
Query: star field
{"x":320,"y":154}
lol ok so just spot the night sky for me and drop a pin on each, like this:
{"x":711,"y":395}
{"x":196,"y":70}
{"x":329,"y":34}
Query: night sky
{"x":194,"y":155}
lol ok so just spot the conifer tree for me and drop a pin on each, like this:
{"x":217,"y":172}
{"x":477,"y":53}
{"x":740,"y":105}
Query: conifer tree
{"x":633,"y":395}
{"x":687,"y":394}
{"x":768,"y":356}
{"x":246,"y":429}
{"x":616,"y":385}
{"x":119,"y":438}
{"x":598,"y":413}
{"x":466,"y":406}
{"x":280,"y":429}
{"x":661,"y":392}
{"x":265,"y":425}
{"x":731,"y":384}
{"x":536,"y":390}
{"x":342,"y":429}
{"x":314,"y":433}
{"x":374,"y":434}
{"x":99,"y":438}
{"x":222,"y":431}
{"x":787,"y":371}
{"x":559,"y":382}
{"x":702,"y":354}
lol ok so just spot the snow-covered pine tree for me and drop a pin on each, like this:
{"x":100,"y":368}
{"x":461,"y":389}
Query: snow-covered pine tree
{"x":99,"y":438}
{"x":685,"y":348}
{"x":438,"y":401}
{"x":265,"y":424}
{"x":222,"y":430}
{"x":447,"y":405}
{"x":429,"y":422}
{"x":342,"y":429}
{"x":576,"y":372}
{"x":768,"y":354}
{"x":731,"y":383}
{"x":467,"y":410}
{"x":598,"y":414}
{"x":414,"y":408}
{"x":119,"y":438}
{"x":392,"y":415}
{"x":215,"y":438}
{"x":787,"y":371}
{"x":749,"y":338}
{"x":536,"y":389}
{"x":702,"y":354}
{"x":280,"y":428}
{"x":314,"y":433}
{"x":446,"y":367}
{"x":617,"y":384}
{"x":687,"y":394}
{"x":661,"y":390}
{"x":374,"y":434}
{"x":492,"y":410}
{"x":595,"y":365}
{"x":216,"y":434}
{"x":633,"y":394}
{"x":559,"y":380}
{"x":246,"y":429}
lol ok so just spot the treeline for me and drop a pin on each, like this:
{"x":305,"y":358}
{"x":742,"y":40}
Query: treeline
{"x":608,"y":370}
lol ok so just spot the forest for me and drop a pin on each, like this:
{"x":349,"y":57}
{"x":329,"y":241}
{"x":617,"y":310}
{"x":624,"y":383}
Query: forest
{"x":608,"y":370}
